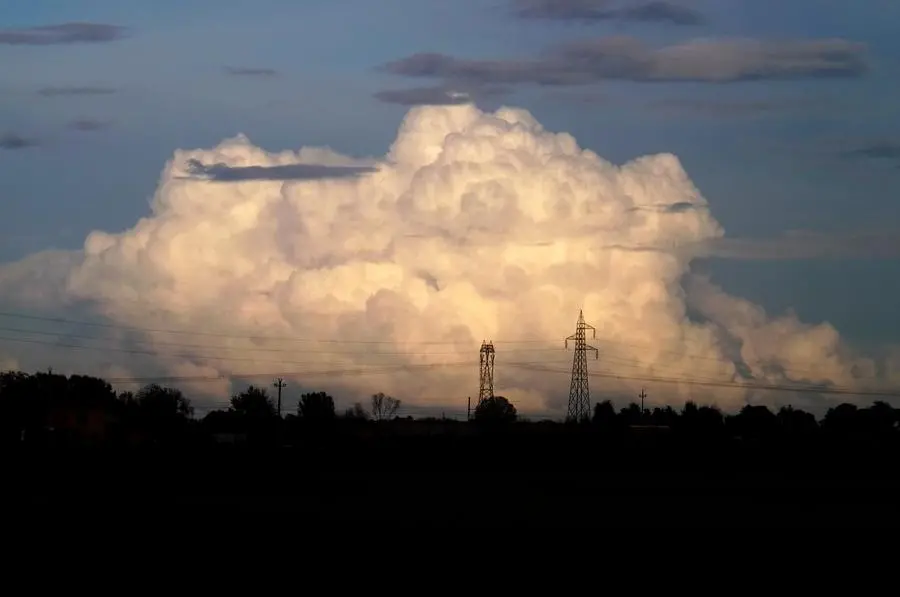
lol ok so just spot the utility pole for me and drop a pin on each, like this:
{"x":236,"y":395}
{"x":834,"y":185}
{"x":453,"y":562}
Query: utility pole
{"x":279,"y":383}
{"x":642,"y":395}
{"x":579,"y":392}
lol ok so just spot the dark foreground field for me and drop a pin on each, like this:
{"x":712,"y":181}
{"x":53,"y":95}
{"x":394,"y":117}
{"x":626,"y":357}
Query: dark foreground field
{"x":466,"y":483}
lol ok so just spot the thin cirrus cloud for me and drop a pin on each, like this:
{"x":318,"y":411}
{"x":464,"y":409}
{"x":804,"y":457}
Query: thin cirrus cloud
{"x":628,"y":59}
{"x":241,"y":71}
{"x":605,"y":10}
{"x":75,"y":90}
{"x":63,"y":33}
{"x":221,"y":172}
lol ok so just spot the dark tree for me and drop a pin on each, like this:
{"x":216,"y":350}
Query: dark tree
{"x":604,"y":415}
{"x":664,"y":416}
{"x":495,"y":410}
{"x":316,"y":406}
{"x":157,"y":401}
{"x":795,"y":423}
{"x":879,"y":419}
{"x":632,"y":415}
{"x":356,"y":413}
{"x":755,"y":422}
{"x":253,"y":403}
{"x":842,"y":419}
{"x":90,"y":391}
{"x":701,"y":422}
{"x":163,"y":412}
{"x":384,"y":407}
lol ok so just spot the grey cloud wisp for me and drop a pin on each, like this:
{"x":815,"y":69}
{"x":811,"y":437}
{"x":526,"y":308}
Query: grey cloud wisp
{"x":806,"y":245}
{"x":437,"y":96}
{"x":224,"y":173}
{"x":712,"y":108}
{"x":440,"y":95}
{"x":75,"y":90}
{"x":607,"y":10}
{"x":64,"y":33}
{"x":238,"y":71}
{"x":629,"y":59}
{"x":12,"y":141}
{"x":878,"y":150}
{"x":88,"y":125}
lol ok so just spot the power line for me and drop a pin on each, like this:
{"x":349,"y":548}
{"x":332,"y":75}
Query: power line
{"x":623,"y":362}
{"x":244,"y":336}
{"x":615,"y":345}
{"x":895,"y":393}
{"x":258,"y":349}
{"x":175,"y":355}
{"x":401,"y":367}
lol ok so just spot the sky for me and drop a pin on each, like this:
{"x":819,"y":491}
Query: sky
{"x":783,"y":114}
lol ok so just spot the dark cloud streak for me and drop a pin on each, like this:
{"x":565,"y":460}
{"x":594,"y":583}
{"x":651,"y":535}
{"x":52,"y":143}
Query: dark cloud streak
{"x":442,"y":95}
{"x":888,"y":150}
{"x":437,"y":96}
{"x":807,"y":245}
{"x":656,"y":11}
{"x":75,"y":90}
{"x":713,"y":108}
{"x":237,"y":71}
{"x":14,"y":141}
{"x":224,"y":173}
{"x":89,"y":125}
{"x":629,"y":59}
{"x":64,"y":33}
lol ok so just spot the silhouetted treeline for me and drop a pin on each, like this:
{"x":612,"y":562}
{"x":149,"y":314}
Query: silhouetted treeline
{"x":51,"y":410}
{"x":72,"y":444}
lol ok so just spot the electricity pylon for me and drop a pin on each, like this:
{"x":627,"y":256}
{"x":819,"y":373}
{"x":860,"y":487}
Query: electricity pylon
{"x":579,"y":392}
{"x":486,"y":389}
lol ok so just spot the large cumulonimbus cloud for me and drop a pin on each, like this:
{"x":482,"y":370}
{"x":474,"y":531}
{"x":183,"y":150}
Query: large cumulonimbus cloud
{"x":473,"y":226}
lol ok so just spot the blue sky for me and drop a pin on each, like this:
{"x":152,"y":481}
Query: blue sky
{"x":769,"y":155}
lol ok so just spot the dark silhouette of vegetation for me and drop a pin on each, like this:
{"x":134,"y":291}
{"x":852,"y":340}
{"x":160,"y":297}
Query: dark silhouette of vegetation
{"x":35,"y":406}
{"x":317,"y":407}
{"x":156,"y":440}
{"x":384,"y":407}
{"x":356,"y":413}
{"x":495,"y":410}
{"x":254,"y":403}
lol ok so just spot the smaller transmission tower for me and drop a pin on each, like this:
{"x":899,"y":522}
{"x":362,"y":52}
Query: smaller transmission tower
{"x":486,"y":389}
{"x":579,"y":392}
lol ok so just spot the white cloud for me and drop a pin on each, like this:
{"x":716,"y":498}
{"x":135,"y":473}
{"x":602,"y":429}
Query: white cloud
{"x":474,"y":226}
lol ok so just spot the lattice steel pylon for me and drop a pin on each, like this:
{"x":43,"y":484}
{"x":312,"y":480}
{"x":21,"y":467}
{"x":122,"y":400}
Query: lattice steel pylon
{"x":579,"y":392}
{"x":486,"y":389}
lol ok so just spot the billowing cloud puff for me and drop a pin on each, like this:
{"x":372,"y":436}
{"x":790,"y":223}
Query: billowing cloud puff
{"x":474,"y":226}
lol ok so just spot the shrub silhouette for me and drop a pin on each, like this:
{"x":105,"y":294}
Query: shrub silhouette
{"x":316,"y":407}
{"x":495,"y":410}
